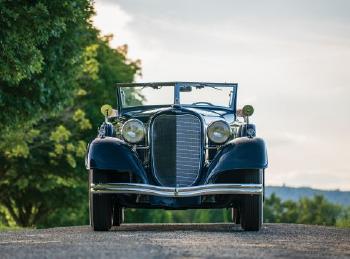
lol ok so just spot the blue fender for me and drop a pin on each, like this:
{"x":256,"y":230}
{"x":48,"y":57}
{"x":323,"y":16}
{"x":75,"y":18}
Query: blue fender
{"x":110,"y":153}
{"x":239,"y":153}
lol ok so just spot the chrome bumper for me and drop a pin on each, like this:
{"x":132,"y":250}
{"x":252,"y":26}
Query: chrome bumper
{"x":146,"y":189}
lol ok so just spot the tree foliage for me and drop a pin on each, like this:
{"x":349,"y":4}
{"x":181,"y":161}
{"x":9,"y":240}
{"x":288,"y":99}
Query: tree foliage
{"x":41,"y":45}
{"x":316,"y":210}
{"x":43,"y":181}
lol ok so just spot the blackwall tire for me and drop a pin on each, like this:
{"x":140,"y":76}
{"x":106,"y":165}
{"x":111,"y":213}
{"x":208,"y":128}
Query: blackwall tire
{"x":235,"y":216}
{"x":100,"y":208}
{"x":101,"y":211}
{"x":252,"y":212}
{"x":118,"y":215}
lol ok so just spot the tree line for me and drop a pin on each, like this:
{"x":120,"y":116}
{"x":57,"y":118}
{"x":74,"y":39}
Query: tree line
{"x":315,"y":210}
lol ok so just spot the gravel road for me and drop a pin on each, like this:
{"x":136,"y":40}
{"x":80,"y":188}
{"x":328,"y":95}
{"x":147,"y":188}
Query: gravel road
{"x":178,"y":241}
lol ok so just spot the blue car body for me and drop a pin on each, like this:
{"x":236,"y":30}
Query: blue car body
{"x":137,"y":176}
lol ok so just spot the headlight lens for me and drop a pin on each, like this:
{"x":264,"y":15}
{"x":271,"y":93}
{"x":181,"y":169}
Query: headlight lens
{"x":133,"y":131}
{"x":219,"y":132}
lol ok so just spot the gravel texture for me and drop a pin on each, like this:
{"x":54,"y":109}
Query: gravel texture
{"x":178,"y":241}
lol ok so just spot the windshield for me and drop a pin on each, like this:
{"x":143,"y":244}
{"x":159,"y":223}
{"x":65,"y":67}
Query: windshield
{"x":220,"y":95}
{"x":209,"y":96}
{"x":135,"y":96}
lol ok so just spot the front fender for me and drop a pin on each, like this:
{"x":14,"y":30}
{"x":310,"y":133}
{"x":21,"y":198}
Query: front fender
{"x":240,"y":153}
{"x":110,"y":153}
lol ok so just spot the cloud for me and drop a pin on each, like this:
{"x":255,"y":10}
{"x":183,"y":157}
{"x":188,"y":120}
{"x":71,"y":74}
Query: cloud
{"x":289,"y":138}
{"x":340,"y":179}
{"x":112,"y":19}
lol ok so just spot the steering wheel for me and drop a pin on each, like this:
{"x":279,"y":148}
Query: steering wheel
{"x":206,"y":103}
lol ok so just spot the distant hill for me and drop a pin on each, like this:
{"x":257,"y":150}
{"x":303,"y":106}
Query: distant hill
{"x":293,"y":193}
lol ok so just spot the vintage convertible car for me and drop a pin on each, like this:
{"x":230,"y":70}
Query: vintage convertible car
{"x":185,"y":147}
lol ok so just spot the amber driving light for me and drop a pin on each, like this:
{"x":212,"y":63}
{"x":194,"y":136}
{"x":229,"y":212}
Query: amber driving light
{"x":219,"y":132}
{"x":133,"y":131}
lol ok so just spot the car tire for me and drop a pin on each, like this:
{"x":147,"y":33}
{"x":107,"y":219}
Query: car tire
{"x":100,"y":209}
{"x":252,"y":212}
{"x":235,"y":216}
{"x":118,"y":215}
{"x":101,"y":212}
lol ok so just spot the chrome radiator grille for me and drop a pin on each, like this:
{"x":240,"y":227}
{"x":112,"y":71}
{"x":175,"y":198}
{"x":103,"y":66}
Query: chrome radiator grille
{"x":176,"y":149}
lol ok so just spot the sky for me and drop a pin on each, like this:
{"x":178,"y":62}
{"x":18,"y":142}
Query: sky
{"x":290,"y":58}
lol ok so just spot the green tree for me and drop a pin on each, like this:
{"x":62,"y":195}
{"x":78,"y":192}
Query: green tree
{"x":44,"y":181}
{"x":272,"y":209}
{"x":344,"y":219}
{"x":317,"y":210}
{"x":41,"y":45}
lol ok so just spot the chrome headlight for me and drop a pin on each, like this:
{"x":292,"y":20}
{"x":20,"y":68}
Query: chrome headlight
{"x":219,"y":132}
{"x":133,"y":131}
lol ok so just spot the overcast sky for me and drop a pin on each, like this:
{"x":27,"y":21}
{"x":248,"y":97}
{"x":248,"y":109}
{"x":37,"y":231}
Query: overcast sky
{"x":291,"y":60}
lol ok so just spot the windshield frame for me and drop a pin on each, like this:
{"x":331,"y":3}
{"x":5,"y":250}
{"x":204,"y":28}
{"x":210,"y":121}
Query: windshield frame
{"x":177,"y":94}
